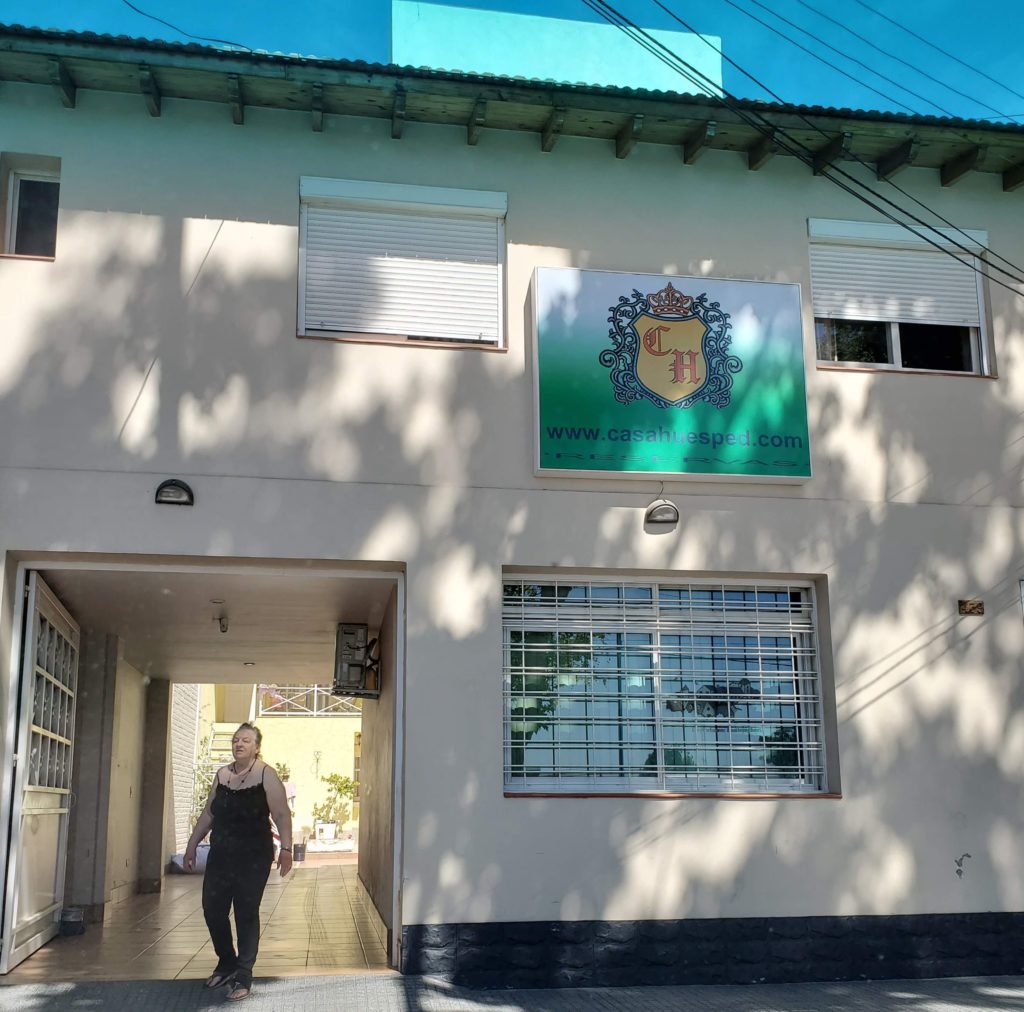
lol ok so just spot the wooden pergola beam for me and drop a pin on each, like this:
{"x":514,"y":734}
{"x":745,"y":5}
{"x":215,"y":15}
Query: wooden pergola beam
{"x":1013,"y":177}
{"x":150,"y":90}
{"x":959,"y":165}
{"x":64,"y":83}
{"x":697,"y":142}
{"x":477,"y":120}
{"x":630,"y":133}
{"x":897,"y":159}
{"x":761,"y":151}
{"x":235,"y":99}
{"x":831,"y":152}
{"x":317,"y":108}
{"x":552,"y":129}
{"x":398,"y":114}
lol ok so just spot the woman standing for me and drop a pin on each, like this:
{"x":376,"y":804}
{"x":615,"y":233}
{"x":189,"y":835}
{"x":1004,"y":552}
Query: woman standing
{"x":244,"y":796}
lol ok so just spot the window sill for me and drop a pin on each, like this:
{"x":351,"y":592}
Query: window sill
{"x":400,"y":340}
{"x":27,"y":256}
{"x":680,"y":796}
{"x":889,"y":370}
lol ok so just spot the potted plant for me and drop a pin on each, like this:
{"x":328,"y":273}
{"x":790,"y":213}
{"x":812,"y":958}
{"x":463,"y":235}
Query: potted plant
{"x":333,"y":810}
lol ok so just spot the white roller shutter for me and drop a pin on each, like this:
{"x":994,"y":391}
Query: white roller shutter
{"x":851,"y":282}
{"x":393,"y":271}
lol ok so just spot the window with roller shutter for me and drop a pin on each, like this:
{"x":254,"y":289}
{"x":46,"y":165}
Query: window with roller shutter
{"x":396,"y":262}
{"x":886,"y":298}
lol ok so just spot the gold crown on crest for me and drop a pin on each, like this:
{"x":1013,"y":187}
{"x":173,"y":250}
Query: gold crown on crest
{"x":670,"y":301}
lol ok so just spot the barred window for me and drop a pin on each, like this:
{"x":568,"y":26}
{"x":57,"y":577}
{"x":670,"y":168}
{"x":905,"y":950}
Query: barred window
{"x":661,"y":687}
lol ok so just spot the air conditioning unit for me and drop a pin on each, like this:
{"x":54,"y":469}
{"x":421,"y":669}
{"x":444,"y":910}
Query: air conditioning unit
{"x":356,"y":662}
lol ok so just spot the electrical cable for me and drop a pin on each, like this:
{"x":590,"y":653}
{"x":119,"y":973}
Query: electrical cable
{"x":906,"y":63}
{"x":1017,"y":277}
{"x":780,"y":137}
{"x":181,"y":31}
{"x":939,"y":49}
{"x":827,"y":45}
{"x":857,"y":158}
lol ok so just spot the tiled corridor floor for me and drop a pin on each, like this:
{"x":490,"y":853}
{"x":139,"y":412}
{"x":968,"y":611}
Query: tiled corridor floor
{"x":318,"y":920}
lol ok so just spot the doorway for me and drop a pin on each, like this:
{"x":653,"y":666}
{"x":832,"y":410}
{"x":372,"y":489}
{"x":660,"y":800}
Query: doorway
{"x":149,"y":626}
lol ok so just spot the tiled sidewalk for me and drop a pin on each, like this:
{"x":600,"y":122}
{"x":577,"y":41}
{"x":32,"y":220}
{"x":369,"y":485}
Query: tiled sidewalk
{"x":318,"y":920}
{"x":393,"y":993}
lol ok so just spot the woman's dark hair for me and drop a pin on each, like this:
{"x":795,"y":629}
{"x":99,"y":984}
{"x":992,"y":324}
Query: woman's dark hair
{"x":248,"y":726}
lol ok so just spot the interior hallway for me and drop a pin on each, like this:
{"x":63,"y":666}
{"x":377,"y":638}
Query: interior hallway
{"x":319,"y":920}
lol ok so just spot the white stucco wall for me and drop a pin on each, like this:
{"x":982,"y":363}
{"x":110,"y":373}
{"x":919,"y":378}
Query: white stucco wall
{"x":181,"y":768}
{"x":162,"y":341}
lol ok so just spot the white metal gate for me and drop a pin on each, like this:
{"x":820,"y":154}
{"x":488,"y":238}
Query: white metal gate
{"x":37,"y":853}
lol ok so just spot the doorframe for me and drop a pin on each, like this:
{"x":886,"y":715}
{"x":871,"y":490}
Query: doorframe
{"x":22,"y":687}
{"x":234,"y":567}
{"x":10,"y":726}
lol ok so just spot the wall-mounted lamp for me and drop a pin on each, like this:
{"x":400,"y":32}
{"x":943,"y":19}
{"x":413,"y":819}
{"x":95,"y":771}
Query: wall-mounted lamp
{"x":662,"y":513}
{"x":174,"y":492}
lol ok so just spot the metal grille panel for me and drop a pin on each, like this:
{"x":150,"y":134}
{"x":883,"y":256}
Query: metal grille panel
{"x":53,"y":699}
{"x":665,"y":686}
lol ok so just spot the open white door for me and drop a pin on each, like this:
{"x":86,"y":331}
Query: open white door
{"x":37,"y":854}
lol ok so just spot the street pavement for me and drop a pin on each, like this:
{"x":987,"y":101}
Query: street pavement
{"x":394,"y":993}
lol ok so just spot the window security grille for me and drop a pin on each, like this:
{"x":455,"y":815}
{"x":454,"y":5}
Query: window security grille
{"x":53,"y":703}
{"x":661,"y":687}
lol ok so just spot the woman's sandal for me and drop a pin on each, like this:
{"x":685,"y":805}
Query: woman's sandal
{"x":218,"y":979}
{"x":238,"y":992}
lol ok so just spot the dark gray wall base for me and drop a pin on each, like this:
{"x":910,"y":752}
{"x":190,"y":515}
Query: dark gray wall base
{"x":727,"y":951}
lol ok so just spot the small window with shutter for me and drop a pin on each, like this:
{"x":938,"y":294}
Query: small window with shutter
{"x":886,"y":298}
{"x":396,"y":262}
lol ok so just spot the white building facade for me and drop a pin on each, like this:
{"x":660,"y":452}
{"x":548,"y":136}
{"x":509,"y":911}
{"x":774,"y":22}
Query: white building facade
{"x":779,"y":737}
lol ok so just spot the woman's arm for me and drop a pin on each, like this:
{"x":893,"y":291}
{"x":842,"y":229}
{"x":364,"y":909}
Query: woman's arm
{"x":277,"y":799}
{"x":203,"y":827}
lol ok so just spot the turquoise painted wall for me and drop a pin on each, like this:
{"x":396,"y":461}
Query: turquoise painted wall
{"x":531,"y":46}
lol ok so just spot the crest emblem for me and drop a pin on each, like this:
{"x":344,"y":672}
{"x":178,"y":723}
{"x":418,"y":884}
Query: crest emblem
{"x":670,"y":349}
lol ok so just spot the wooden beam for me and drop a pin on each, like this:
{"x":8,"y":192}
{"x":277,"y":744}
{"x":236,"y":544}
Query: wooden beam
{"x":235,"y":99}
{"x":896,"y":159}
{"x":1013,"y":177}
{"x":150,"y":90}
{"x":629,"y":135}
{"x":317,"y":108}
{"x":826,"y":155}
{"x":552,"y":129}
{"x":398,"y":114}
{"x":63,"y":82}
{"x":761,"y":151}
{"x":697,"y":142}
{"x":958,"y":166}
{"x":477,"y":119}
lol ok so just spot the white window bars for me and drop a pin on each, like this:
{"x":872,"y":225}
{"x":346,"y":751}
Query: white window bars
{"x":679,"y":687}
{"x":304,"y":701}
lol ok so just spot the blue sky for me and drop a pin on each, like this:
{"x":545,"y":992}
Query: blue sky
{"x":989,"y":35}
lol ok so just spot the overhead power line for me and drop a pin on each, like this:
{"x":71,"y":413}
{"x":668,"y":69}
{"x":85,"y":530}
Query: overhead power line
{"x":814,"y":126}
{"x":828,"y":63}
{"x":920,"y":38}
{"x":873,"y":43}
{"x":785,"y":141}
{"x":181,"y":31}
